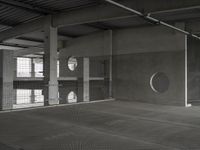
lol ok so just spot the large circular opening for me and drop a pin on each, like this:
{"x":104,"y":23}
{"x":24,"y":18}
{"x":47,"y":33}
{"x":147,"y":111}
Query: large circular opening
{"x":72,"y":97}
{"x":159,"y":82}
{"x":72,"y":63}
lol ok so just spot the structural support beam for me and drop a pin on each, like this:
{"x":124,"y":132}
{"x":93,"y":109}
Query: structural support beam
{"x":25,"y":6}
{"x":27,"y":51}
{"x":21,"y":29}
{"x":93,"y":14}
{"x":32,"y":68}
{"x":50,"y":65}
{"x":86,"y":79}
{"x":6,"y":80}
{"x":151,"y":19}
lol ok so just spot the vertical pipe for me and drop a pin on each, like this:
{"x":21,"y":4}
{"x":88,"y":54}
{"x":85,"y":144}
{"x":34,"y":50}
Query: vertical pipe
{"x":111,"y":65}
{"x":186,"y":72}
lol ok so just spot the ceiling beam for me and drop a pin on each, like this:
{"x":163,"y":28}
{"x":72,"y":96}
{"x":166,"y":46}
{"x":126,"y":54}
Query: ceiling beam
{"x":93,"y":14}
{"x":27,"y":51}
{"x":23,"y":42}
{"x":105,"y":12}
{"x":30,"y":8}
{"x":21,"y":29}
{"x":9,"y":47}
{"x":101,"y":26}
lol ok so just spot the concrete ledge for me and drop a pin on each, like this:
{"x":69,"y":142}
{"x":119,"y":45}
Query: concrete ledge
{"x":59,"y":105}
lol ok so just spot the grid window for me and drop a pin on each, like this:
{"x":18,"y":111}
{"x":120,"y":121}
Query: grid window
{"x":23,"y":96}
{"x":39,"y":98}
{"x":23,"y":67}
{"x":38,"y":67}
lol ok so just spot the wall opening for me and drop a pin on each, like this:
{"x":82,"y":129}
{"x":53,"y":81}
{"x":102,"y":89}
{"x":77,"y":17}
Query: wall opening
{"x":23,"y":67}
{"x":159,"y":82}
{"x":72,"y":63}
{"x":72,"y":97}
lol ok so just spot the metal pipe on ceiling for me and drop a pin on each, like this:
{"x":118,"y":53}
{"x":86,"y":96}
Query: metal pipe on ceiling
{"x":151,"y":19}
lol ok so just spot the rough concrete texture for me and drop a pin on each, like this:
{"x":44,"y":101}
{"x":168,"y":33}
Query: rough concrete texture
{"x":99,"y":90}
{"x":68,"y":86}
{"x":147,"y":39}
{"x":138,"y":53}
{"x":6,"y":77}
{"x":95,"y":44}
{"x":132,"y":74}
{"x":66,"y":72}
{"x":193,"y":70}
{"x":113,"y":125}
{"x":99,"y":67}
{"x":50,"y":89}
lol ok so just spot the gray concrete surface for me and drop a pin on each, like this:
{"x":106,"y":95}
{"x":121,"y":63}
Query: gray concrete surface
{"x":6,"y":79}
{"x":50,"y":64}
{"x":193,"y":70}
{"x":132,"y":74}
{"x":113,"y":125}
{"x":136,"y":60}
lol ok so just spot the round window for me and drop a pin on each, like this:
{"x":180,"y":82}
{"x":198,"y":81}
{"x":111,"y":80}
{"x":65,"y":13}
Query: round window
{"x":72,"y":97}
{"x":72,"y":63}
{"x":159,"y":82}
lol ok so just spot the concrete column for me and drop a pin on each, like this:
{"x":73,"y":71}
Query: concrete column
{"x":14,"y":96}
{"x":32,"y":68}
{"x":15,"y":67}
{"x":86,"y":79}
{"x":111,"y":65}
{"x":50,"y":65}
{"x":32,"y":97}
{"x":6,"y":79}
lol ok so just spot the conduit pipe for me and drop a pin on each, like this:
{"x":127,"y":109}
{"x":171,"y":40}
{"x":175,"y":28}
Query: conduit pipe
{"x":151,"y":19}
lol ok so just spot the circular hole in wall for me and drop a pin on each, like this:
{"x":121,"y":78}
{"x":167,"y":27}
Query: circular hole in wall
{"x":159,"y":82}
{"x":72,"y":63}
{"x":72,"y":97}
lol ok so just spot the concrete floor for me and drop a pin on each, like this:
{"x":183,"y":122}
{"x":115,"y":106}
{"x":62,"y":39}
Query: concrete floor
{"x":114,"y":125}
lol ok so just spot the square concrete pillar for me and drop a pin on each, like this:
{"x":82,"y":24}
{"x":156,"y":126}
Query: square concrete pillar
{"x":50,"y":66}
{"x":86,"y":79}
{"x":32,"y":68}
{"x":6,"y":79}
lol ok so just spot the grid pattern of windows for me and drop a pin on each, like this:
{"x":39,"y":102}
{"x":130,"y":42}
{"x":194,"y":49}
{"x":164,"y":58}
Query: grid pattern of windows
{"x":23,"y":96}
{"x":38,"y":68}
{"x":26,"y":96}
{"x":39,"y":98}
{"x":23,"y":67}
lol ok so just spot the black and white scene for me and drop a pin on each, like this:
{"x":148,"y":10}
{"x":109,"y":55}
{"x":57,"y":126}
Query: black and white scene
{"x":99,"y":74}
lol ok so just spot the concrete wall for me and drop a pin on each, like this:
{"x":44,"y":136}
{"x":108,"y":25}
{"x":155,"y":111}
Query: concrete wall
{"x":138,"y":53}
{"x":193,"y":69}
{"x":6,"y":79}
{"x":95,"y":44}
{"x":147,"y":39}
{"x":98,"y":69}
{"x":132,"y":74}
{"x":95,"y":47}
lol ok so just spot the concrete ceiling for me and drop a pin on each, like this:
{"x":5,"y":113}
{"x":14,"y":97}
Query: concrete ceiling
{"x":81,"y":17}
